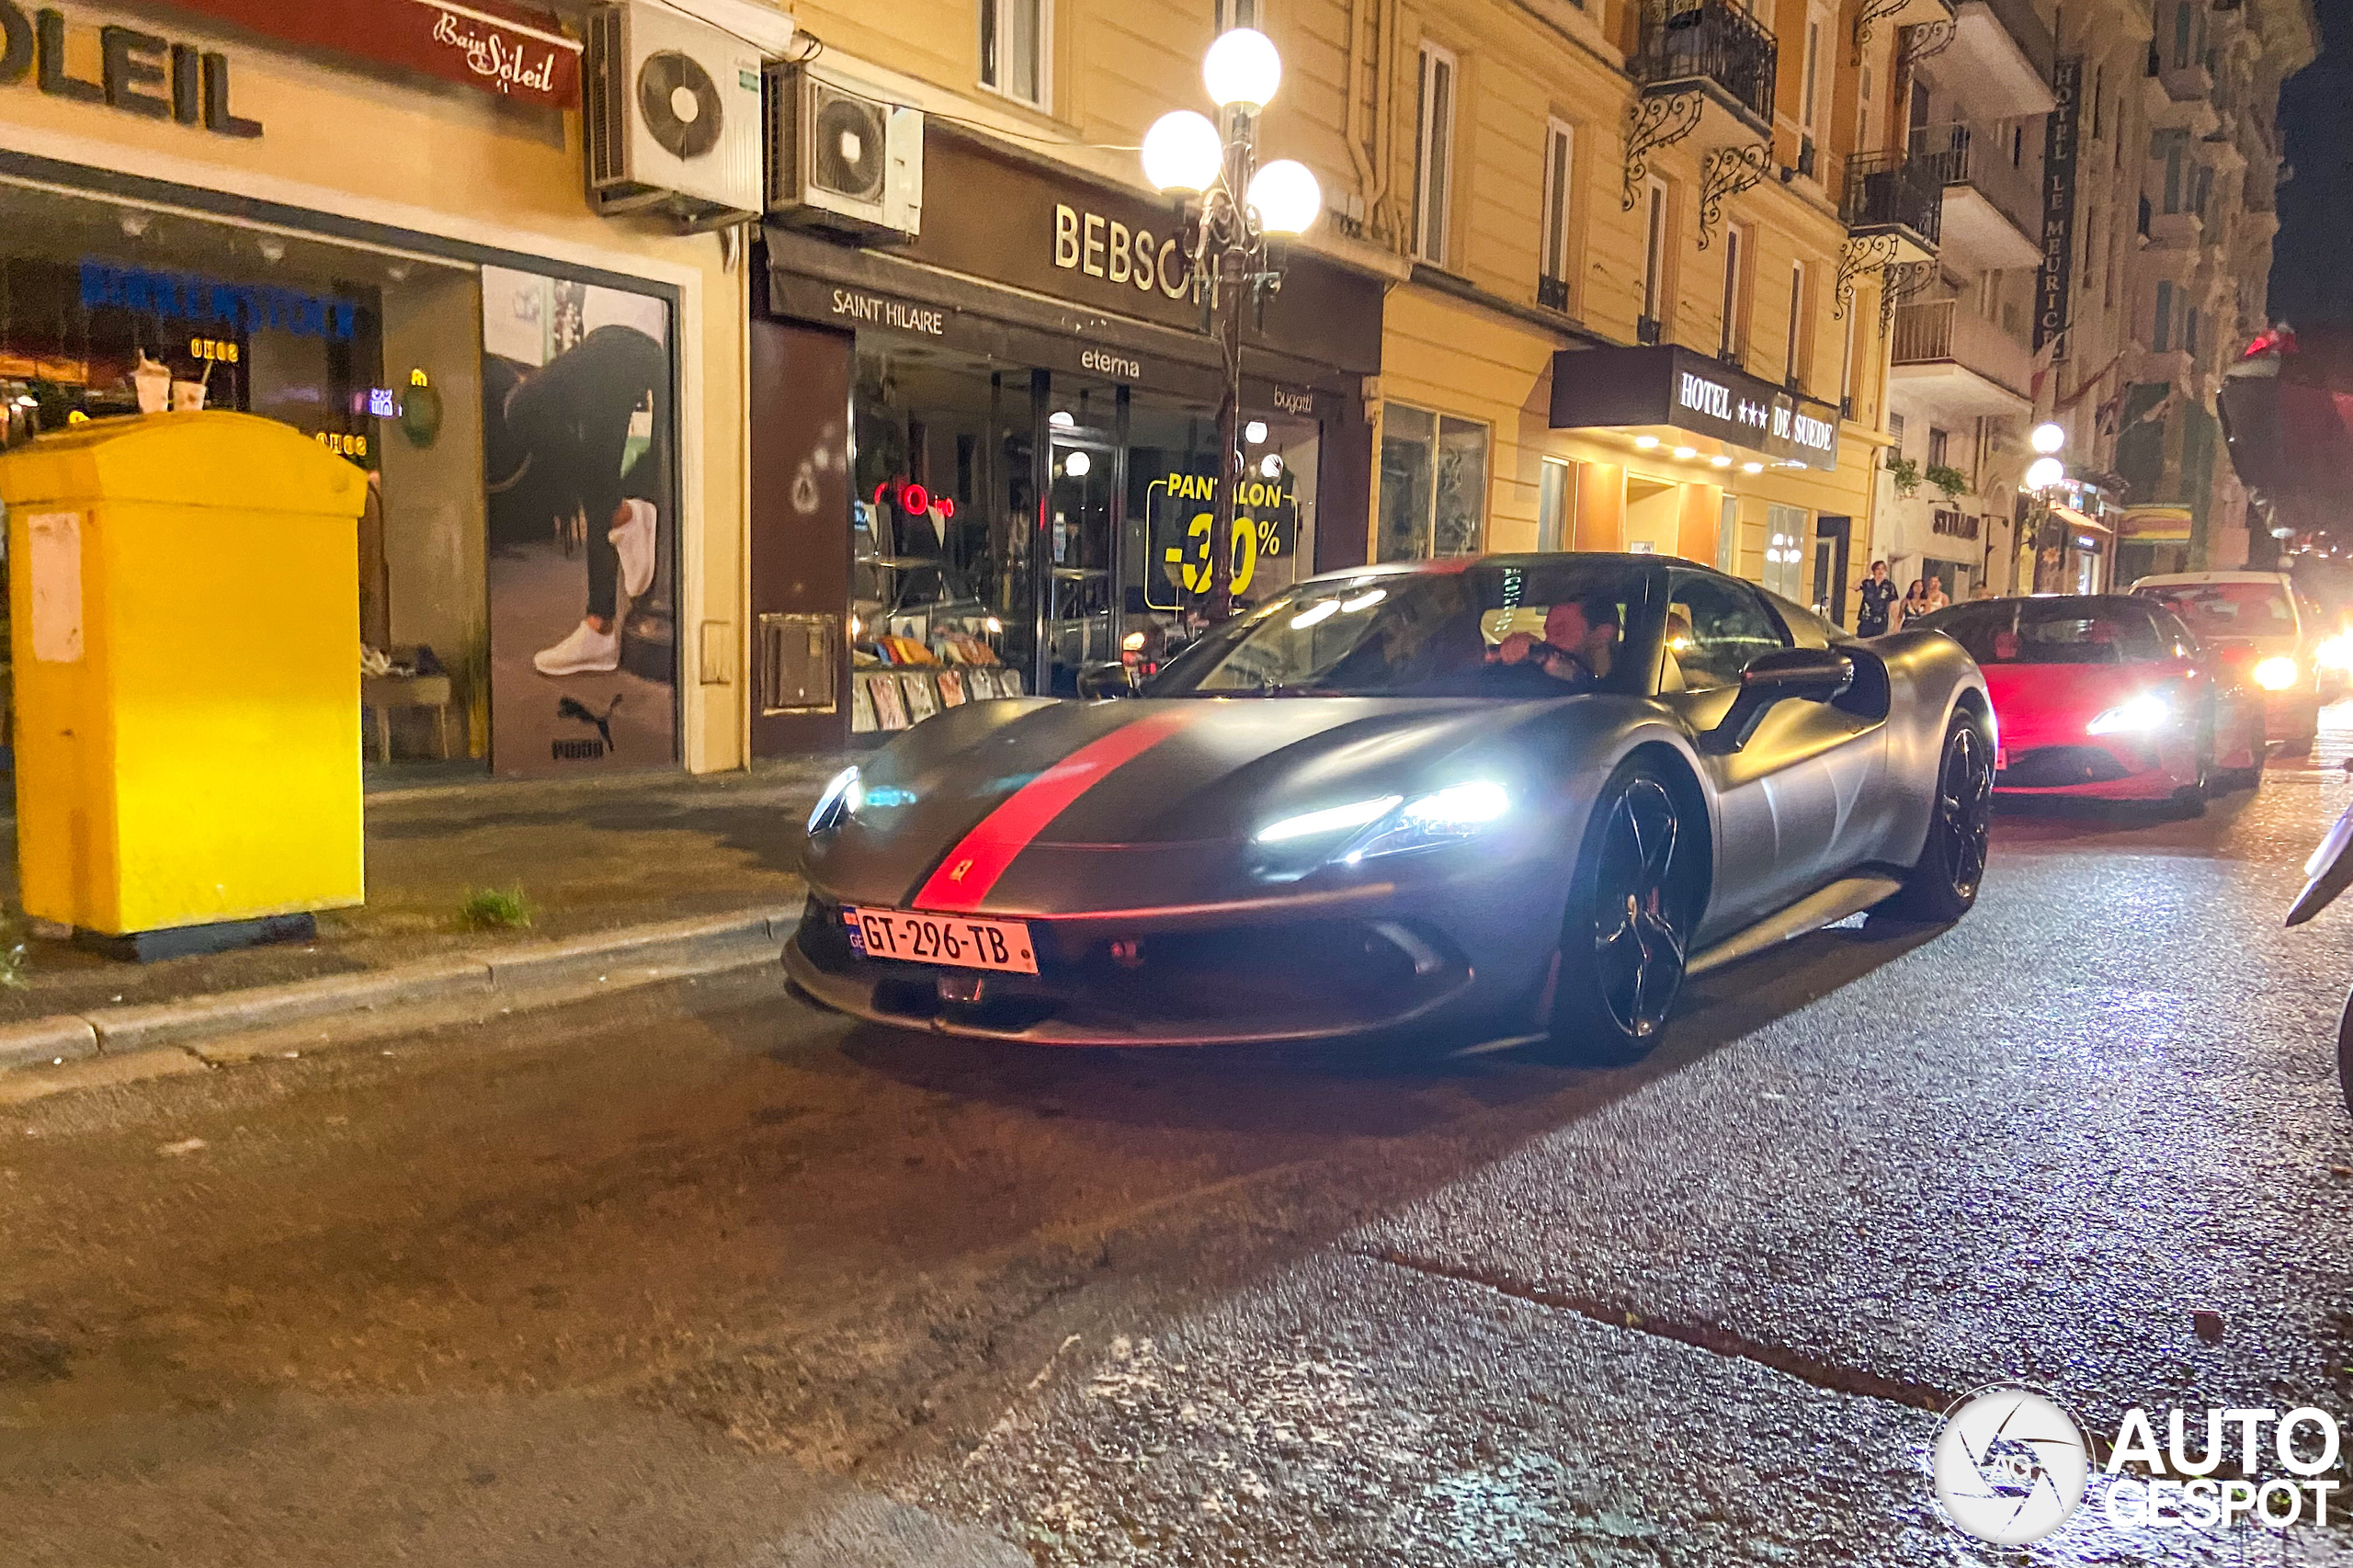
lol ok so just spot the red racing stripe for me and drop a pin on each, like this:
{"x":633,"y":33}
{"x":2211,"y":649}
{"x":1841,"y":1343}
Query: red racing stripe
{"x":972,"y":868}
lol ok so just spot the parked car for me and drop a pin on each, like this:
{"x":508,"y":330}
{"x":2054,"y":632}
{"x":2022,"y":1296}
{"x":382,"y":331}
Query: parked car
{"x":2264,"y":634}
{"x":1523,"y":796}
{"x":2108,"y":697}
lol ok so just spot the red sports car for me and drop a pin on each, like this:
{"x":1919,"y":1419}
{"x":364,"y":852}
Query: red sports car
{"x":2106,"y":696}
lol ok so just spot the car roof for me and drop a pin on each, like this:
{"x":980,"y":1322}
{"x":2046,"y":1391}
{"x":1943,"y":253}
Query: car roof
{"x":1446,"y":563}
{"x":2173,"y":579}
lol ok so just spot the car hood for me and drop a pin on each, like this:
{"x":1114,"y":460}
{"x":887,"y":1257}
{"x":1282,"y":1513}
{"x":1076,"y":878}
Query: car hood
{"x":2048,"y":704}
{"x":1062,"y":804}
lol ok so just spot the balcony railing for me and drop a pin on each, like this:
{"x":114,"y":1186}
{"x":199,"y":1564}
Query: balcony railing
{"x":1962,"y":154}
{"x":1708,"y":41}
{"x":1940,"y":331}
{"x":1888,"y":190}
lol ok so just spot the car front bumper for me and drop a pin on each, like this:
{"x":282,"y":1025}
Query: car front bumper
{"x":2100,"y":768}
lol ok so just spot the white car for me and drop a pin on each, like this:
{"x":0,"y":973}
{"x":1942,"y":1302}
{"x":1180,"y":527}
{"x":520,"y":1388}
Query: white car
{"x":2272,"y":641}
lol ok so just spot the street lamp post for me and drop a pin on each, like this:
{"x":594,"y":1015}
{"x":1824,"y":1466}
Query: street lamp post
{"x":2047,"y":471}
{"x":1240,"y":204}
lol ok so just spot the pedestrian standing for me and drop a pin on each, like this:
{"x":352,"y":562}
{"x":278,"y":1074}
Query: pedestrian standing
{"x":1878,"y":598}
{"x":1937,"y":599}
{"x":1916,"y":602}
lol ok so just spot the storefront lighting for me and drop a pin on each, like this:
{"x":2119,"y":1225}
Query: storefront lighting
{"x":1060,"y":418}
{"x":273,"y":250}
{"x":1255,"y":432}
{"x":2048,"y":438}
{"x":1271,"y":465}
{"x":1077,"y":465}
{"x":1242,"y":70}
{"x":1133,"y":642}
{"x":1285,"y":197}
{"x":1644,"y":443}
{"x":28,"y":403}
{"x":2044,"y":472}
{"x":1181,"y":152}
{"x":1687,"y":453}
{"x":1752,"y":467}
{"x":1721,"y":460}
{"x":993,"y":627}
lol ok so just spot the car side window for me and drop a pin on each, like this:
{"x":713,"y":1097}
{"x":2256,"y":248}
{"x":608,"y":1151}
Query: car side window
{"x":1715,"y":626}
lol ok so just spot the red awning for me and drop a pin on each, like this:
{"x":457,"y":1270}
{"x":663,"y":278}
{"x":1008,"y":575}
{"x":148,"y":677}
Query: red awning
{"x":500,"y":46}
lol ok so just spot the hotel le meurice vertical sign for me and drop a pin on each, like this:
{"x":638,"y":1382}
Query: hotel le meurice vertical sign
{"x":139,"y":72}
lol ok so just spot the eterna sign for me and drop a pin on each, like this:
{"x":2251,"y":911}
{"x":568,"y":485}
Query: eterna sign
{"x":139,"y":72}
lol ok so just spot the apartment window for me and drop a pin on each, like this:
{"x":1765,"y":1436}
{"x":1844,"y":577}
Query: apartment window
{"x":1552,"y":506}
{"x":1234,"y":13}
{"x":2017,"y":144}
{"x":1432,"y":153}
{"x":2190,"y":332}
{"x":1895,"y":433}
{"x":1560,"y":146}
{"x":1939,"y":446}
{"x":2184,"y":20}
{"x":1863,"y":114}
{"x":1795,"y":358}
{"x":1433,"y":483}
{"x":2205,"y":188}
{"x":1736,"y":250}
{"x":2161,"y":337}
{"x":2100,"y":99}
{"x":1655,"y":251}
{"x":1014,"y":35}
{"x":1810,"y":83}
{"x":1847,"y":369}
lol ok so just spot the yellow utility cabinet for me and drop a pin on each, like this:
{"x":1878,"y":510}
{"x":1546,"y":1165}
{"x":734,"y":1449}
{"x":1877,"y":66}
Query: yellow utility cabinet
{"x":185,"y":624}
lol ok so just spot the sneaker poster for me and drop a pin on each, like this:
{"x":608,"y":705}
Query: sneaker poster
{"x":579,"y":453}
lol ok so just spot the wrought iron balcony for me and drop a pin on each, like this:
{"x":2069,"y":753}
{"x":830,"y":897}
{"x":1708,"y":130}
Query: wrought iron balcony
{"x":1887,"y":191}
{"x":1688,"y":42}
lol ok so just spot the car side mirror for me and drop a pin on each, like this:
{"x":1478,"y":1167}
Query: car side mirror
{"x":1812,"y":675}
{"x":1110,"y":678}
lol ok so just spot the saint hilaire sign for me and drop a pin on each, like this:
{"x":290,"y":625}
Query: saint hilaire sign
{"x":514,"y":51}
{"x":1672,"y":387}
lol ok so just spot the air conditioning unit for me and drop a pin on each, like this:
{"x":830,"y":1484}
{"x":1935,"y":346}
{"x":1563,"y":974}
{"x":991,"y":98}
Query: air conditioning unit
{"x":842,"y":156}
{"x":673,"y":116}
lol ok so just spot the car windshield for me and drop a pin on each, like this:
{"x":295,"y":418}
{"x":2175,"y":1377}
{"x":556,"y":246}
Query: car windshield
{"x":1502,"y":632}
{"x":2227,"y":609}
{"x":2053,"y":632}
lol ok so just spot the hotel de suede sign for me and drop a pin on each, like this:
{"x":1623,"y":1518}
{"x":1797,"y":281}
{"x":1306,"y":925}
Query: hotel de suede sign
{"x":1674,"y":387}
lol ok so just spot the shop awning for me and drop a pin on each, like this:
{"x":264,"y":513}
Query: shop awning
{"x":516,"y":51}
{"x":1674,"y":387}
{"x":2157,"y":525}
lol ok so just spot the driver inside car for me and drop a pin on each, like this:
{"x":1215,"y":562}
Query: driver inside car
{"x":1579,"y":643}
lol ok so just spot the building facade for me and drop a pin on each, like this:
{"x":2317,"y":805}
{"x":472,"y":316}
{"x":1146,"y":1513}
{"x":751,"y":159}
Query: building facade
{"x":382,"y":240}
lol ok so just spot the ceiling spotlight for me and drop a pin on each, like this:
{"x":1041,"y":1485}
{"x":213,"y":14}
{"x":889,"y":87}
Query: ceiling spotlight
{"x":135,"y":223}
{"x":1687,"y":453}
{"x":272,"y":248}
{"x":1752,"y":467}
{"x":1255,"y":432}
{"x":1646,"y":442}
{"x":1721,"y":460}
{"x":397,"y":271}
{"x":1272,"y":465}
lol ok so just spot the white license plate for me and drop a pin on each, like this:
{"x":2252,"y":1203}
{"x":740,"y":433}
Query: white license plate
{"x":957,"y":939}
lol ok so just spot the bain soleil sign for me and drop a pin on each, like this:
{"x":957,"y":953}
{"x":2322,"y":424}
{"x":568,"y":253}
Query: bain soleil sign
{"x":139,"y":72}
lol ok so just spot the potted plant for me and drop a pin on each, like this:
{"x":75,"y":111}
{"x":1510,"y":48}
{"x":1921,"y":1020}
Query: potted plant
{"x":1950,"y":480}
{"x":1905,"y":472}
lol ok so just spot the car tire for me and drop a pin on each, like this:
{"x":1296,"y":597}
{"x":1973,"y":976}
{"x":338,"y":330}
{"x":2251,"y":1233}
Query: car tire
{"x":2190,"y":801}
{"x":1625,"y":935}
{"x":1942,"y":886}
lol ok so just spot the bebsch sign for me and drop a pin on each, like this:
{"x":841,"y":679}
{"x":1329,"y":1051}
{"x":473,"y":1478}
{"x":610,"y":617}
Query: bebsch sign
{"x":518,"y":53}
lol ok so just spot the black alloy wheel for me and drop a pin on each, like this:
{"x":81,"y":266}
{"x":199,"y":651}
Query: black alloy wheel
{"x":1625,"y":936}
{"x":1943,"y":884}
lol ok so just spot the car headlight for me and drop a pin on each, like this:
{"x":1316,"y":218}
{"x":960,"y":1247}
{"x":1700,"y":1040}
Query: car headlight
{"x":827,"y":812}
{"x":2334,"y":654}
{"x":2276,"y":673}
{"x":2147,"y":711}
{"x":1449,"y":816}
{"x":1332,"y":818}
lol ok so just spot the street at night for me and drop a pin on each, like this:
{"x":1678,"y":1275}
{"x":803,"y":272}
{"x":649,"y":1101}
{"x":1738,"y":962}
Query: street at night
{"x":703,"y":1276}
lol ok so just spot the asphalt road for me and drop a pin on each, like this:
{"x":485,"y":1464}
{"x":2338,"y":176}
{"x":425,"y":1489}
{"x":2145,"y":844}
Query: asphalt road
{"x":701,"y":1278}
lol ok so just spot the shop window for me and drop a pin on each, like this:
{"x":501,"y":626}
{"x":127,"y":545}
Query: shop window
{"x":1433,"y":484}
{"x":1553,"y":265}
{"x":1432,"y":153}
{"x":1785,"y":551}
{"x":1553,"y":500}
{"x":1016,"y":47}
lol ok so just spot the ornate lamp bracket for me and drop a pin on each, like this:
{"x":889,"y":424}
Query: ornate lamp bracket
{"x":1727,"y":173}
{"x":1864,"y":253}
{"x":1872,"y":14}
{"x":1656,"y":121}
{"x":1899,"y":281}
{"x":1923,"y":43}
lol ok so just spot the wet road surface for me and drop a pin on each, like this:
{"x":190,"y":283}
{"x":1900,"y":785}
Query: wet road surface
{"x":701,"y":1276}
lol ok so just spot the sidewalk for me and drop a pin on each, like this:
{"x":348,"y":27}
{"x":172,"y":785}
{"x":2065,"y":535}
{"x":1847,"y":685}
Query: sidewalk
{"x":589,"y":854}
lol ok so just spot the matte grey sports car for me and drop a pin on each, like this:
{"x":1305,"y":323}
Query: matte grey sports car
{"x":1510,"y":798}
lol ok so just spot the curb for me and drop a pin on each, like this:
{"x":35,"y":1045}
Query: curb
{"x":551,"y":971}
